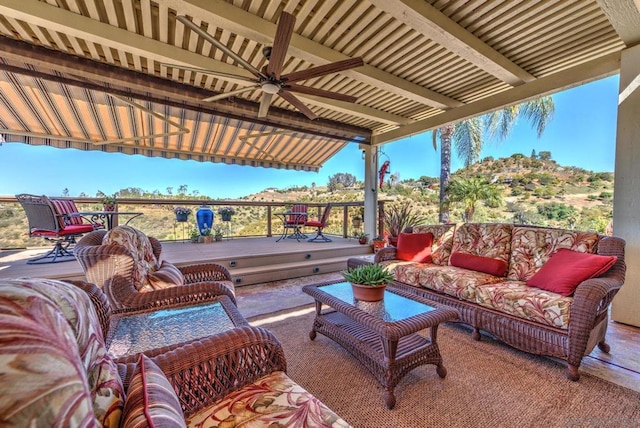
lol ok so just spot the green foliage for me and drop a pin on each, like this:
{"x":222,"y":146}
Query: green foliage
{"x":556,"y":211}
{"x":373,"y":275}
{"x":468,"y":192}
{"x":544,"y":155}
{"x":397,"y":216}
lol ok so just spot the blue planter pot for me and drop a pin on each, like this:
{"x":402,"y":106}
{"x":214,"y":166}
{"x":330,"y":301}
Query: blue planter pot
{"x":204,"y":218}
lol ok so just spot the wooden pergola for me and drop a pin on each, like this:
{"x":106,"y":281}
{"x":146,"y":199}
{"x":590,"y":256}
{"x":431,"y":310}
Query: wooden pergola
{"x":92,"y":74}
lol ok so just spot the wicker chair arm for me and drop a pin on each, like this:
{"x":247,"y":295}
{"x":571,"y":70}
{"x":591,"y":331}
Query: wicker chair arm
{"x":204,"y":272}
{"x":387,"y":253}
{"x":199,"y":292}
{"x":207,"y":370}
{"x":100,"y":303}
{"x":104,"y":262}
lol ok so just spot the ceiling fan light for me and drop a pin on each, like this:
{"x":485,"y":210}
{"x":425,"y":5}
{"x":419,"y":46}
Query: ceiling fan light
{"x":270,"y":88}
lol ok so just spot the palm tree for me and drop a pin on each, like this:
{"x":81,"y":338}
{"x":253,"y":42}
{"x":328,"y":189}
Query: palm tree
{"x":471,"y":191}
{"x":467,"y":137}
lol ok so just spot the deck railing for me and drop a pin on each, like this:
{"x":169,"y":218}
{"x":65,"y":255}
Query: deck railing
{"x":251,"y":218}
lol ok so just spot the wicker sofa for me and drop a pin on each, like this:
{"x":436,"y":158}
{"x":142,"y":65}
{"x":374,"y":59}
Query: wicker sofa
{"x":526,"y":317}
{"x":56,"y":370}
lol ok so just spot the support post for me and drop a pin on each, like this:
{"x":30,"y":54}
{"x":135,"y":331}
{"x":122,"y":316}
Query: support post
{"x":626,"y":201}
{"x":370,"y":190}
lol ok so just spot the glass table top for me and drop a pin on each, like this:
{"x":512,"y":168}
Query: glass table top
{"x":137,"y":333}
{"x":393,"y":307}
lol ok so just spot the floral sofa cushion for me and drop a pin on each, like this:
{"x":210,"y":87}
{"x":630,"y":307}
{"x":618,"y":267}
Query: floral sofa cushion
{"x":51,"y":331}
{"x":451,"y":280}
{"x":442,"y":241}
{"x":492,"y":240}
{"x":533,"y":246}
{"x":516,"y":298}
{"x":139,"y":246}
{"x":272,"y":401}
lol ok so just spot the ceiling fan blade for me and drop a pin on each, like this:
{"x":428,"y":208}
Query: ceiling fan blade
{"x":237,"y":58}
{"x":214,"y":73}
{"x":286,"y":22}
{"x":322,"y":70}
{"x":294,"y":101}
{"x":321,"y":93}
{"x":265,"y":102}
{"x":231,"y":93}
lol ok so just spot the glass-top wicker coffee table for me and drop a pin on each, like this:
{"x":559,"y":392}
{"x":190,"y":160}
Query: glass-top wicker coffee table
{"x":381,"y":335}
{"x":161,"y":330}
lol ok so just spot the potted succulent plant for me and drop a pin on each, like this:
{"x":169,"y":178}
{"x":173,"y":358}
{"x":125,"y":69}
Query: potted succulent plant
{"x":368,"y":281}
{"x":378,"y":244}
{"x":362,"y":237}
{"x":356,"y":221}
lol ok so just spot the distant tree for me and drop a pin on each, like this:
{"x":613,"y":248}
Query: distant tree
{"x":470,"y":191}
{"x":467,"y":136}
{"x":182,"y":189}
{"x":169,"y":190}
{"x":545,"y":155}
{"x":533,"y":154}
{"x":65,"y":192}
{"x":341,"y":179}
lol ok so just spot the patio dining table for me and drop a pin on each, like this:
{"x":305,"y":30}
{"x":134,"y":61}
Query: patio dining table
{"x":108,"y":216}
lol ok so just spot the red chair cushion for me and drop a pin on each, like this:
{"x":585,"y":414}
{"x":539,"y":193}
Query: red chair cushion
{"x":566,"y":269}
{"x":68,"y":230}
{"x":314,"y":223}
{"x":478,"y":263}
{"x":415,"y":247}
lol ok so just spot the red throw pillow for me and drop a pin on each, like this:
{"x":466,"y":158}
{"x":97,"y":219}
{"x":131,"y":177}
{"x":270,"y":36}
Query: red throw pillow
{"x":414,"y":247}
{"x":566,"y":269}
{"x":488,"y":265}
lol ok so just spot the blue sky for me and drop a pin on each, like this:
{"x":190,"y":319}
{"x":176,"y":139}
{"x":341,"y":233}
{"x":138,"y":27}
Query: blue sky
{"x":582,"y":133}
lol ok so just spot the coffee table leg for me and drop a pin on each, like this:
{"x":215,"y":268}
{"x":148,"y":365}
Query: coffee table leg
{"x":441,"y":370}
{"x":312,"y":333}
{"x":389,"y":398}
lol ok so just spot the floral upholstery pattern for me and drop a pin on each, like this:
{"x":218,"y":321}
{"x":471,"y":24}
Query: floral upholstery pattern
{"x":51,"y":331}
{"x":442,"y":241}
{"x":532,"y":247}
{"x":137,"y":243}
{"x":272,"y":401}
{"x":486,"y":240}
{"x":516,"y":298}
{"x":451,"y":280}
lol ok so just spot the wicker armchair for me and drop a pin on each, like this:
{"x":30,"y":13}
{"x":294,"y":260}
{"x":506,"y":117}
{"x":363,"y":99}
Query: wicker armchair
{"x":58,"y":372}
{"x":111,"y":267}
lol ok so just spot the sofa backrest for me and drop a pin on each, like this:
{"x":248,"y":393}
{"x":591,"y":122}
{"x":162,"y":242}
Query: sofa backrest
{"x":532,"y":246}
{"x":55,"y":368}
{"x":491,"y":240}
{"x":442,"y":241}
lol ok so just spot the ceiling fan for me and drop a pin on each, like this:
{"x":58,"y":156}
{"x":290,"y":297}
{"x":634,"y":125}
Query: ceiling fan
{"x":270,"y":80}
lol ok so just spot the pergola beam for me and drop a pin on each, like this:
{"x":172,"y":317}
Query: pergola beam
{"x":250,"y":26}
{"x":429,"y":21}
{"x":583,"y":73}
{"x":624,"y":16}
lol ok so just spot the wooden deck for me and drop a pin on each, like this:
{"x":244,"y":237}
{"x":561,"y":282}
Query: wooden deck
{"x":250,"y":260}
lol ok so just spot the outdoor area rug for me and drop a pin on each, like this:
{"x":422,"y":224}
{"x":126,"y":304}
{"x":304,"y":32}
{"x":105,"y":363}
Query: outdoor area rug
{"x":488,"y":384}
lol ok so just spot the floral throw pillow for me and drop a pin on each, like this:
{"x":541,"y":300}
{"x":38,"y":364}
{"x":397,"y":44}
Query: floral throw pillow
{"x":139,"y":246}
